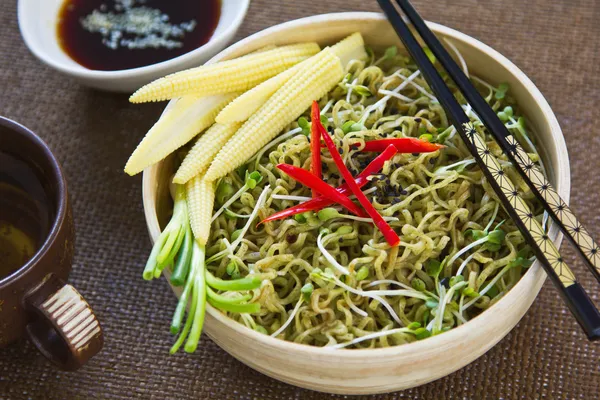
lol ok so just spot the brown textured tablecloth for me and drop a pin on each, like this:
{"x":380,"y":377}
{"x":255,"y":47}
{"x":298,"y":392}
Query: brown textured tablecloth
{"x":557,"y":43}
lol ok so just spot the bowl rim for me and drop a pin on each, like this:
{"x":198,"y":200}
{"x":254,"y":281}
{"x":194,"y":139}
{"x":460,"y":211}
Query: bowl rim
{"x":82,"y":72}
{"x":535,"y":276}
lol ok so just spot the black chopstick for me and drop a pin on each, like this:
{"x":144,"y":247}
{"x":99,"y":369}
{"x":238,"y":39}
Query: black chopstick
{"x":561,"y":275}
{"x":556,"y":207}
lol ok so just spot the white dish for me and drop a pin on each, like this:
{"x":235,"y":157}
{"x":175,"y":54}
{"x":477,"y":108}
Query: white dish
{"x":37,"y":22}
{"x":406,"y":366}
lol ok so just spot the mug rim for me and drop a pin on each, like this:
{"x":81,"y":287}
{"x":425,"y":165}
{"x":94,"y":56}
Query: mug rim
{"x":61,"y":200}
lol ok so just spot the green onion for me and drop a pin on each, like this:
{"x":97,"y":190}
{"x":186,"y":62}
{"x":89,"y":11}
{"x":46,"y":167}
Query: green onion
{"x":249,"y":308}
{"x":182,"y":264}
{"x":198,"y":298}
{"x":223,"y":299}
{"x":247,"y":283}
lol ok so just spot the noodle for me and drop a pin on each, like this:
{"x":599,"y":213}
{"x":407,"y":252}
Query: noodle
{"x":337,"y":282}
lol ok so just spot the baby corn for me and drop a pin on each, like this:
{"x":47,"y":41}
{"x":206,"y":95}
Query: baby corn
{"x":287,"y":104}
{"x":228,"y":76}
{"x":200,"y":198}
{"x":180,"y":122}
{"x":239,"y":110}
{"x":206,"y":148}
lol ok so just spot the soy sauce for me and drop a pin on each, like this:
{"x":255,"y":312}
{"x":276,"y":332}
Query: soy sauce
{"x":111,"y":35}
{"x":26,"y":213}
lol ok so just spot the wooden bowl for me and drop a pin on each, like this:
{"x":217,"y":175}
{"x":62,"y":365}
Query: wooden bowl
{"x":395,"y":368}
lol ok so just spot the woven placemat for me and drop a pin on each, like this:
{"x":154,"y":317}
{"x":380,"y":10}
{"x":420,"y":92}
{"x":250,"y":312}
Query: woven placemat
{"x":92,"y":133}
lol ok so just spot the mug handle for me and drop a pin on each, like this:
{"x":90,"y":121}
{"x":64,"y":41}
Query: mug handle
{"x":63,"y":326}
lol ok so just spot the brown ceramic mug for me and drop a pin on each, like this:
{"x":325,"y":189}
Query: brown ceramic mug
{"x":35,"y":300}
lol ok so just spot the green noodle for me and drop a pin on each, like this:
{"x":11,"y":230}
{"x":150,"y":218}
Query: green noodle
{"x":440,"y":202}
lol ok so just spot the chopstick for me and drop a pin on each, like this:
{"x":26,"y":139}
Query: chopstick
{"x":571,"y":291}
{"x":556,"y":207}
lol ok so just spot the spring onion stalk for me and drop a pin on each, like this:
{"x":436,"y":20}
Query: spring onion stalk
{"x":225,"y":299}
{"x":198,"y":298}
{"x":249,"y":308}
{"x":185,"y":331}
{"x":196,"y":287}
{"x":247,"y":283}
{"x":184,"y":258}
{"x":167,"y":245}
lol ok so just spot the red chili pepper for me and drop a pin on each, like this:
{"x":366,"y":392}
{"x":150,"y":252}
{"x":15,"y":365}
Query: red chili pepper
{"x":389,"y":234}
{"x":315,"y":144}
{"x":403,"y":145}
{"x":307,"y":179}
{"x":321,"y":202}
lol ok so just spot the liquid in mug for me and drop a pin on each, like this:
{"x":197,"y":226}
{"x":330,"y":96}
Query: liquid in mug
{"x":25,"y":213}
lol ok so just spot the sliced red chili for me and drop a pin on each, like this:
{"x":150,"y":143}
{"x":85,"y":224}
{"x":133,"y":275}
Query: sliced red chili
{"x":403,"y":145}
{"x":321,"y":202}
{"x":307,"y":179}
{"x":315,"y":144}
{"x":387,"y":231}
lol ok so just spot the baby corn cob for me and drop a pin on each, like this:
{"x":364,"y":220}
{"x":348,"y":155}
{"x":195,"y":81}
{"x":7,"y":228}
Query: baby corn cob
{"x":287,"y":104}
{"x":351,"y":48}
{"x":206,"y":148}
{"x":200,"y":198}
{"x":180,"y":122}
{"x":228,"y":76}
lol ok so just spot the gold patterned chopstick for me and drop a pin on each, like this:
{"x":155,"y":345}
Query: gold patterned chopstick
{"x":561,"y":275}
{"x":556,"y":207}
